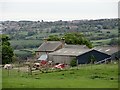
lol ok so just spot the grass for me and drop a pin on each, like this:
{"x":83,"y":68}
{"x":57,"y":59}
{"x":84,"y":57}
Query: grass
{"x":26,"y":43}
{"x":22,"y":53}
{"x":104,"y":33}
{"x":97,"y":76}
{"x":23,"y":32}
{"x":105,"y":41}
{"x":112,"y":31}
{"x":0,"y":78}
{"x":100,"y":42}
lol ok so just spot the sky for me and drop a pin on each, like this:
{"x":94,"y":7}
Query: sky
{"x":54,"y":10}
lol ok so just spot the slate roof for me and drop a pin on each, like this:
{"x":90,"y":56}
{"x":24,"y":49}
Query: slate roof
{"x":49,"y":46}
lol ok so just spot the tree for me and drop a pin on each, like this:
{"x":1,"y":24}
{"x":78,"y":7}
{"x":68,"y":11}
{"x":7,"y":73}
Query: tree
{"x":53,"y":38}
{"x":72,"y":38}
{"x":7,"y":51}
{"x":77,"y":38}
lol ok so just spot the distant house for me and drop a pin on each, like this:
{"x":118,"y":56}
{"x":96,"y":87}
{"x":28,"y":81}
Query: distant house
{"x":48,"y":47}
{"x":82,"y":54}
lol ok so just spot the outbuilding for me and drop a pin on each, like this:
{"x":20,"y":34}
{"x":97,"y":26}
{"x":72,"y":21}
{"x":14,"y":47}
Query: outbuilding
{"x":66,"y":54}
{"x":82,"y":54}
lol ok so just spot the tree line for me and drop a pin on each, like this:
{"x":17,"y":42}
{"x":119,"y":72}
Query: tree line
{"x":33,"y":27}
{"x":72,"y":38}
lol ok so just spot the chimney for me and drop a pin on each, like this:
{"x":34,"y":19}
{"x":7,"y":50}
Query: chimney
{"x":63,"y":42}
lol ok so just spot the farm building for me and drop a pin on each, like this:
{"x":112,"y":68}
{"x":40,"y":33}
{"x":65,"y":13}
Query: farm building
{"x":81,"y":53}
{"x":113,"y":51}
{"x":86,"y":57}
{"x":48,"y":47}
{"x":66,"y":54}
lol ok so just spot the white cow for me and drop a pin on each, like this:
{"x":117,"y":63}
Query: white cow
{"x":8,"y":66}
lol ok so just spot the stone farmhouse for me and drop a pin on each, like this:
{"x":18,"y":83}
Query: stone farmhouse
{"x":48,"y":47}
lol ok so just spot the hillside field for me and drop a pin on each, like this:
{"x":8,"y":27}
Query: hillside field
{"x":97,"y":76}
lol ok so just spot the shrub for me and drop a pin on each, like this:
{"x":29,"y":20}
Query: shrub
{"x":73,"y":62}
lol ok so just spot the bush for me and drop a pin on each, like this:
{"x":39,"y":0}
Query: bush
{"x":73,"y":62}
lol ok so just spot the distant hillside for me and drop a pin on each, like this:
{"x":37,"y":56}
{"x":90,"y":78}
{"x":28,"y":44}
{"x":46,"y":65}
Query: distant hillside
{"x":100,"y":29}
{"x":58,"y":26}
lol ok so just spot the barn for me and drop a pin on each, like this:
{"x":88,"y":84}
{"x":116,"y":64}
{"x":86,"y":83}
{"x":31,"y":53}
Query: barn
{"x":66,"y":54}
{"x":82,"y":54}
{"x":86,"y":57}
{"x":113,"y":51}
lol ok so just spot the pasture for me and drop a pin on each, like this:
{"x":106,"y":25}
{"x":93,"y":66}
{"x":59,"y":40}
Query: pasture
{"x":100,"y":42}
{"x":97,"y":76}
{"x":0,"y":78}
{"x":21,"y":44}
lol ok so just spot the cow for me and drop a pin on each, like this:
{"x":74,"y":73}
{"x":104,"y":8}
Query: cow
{"x":8,"y":66}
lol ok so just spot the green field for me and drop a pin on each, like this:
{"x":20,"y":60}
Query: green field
{"x":25,"y":42}
{"x":21,"y":44}
{"x":112,"y":31}
{"x":0,"y":78}
{"x":97,"y":76}
{"x":104,"y":33}
{"x":100,"y":42}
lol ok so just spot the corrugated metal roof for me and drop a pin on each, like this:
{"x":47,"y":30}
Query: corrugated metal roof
{"x":79,"y":51}
{"x":107,"y":49}
{"x":49,"y":46}
{"x":70,"y":51}
{"x":76,"y":46}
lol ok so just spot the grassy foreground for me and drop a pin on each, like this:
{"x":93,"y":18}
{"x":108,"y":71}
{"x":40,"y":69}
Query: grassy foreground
{"x":0,"y":78}
{"x":97,"y":76}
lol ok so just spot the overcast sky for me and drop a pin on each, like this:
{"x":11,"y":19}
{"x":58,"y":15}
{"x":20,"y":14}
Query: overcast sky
{"x":53,"y":10}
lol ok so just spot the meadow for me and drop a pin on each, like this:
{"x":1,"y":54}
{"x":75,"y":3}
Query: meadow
{"x":100,"y":42}
{"x":87,"y":76}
